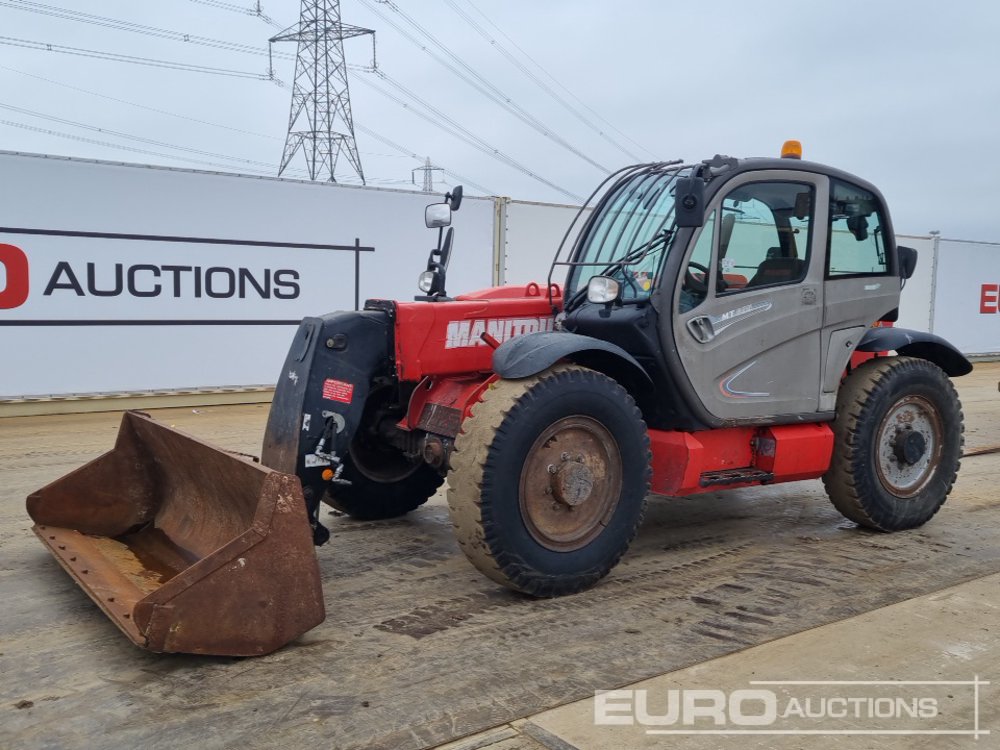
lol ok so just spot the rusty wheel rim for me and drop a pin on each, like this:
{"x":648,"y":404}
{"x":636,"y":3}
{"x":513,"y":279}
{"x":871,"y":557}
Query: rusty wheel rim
{"x":570,"y":483}
{"x":908,"y":446}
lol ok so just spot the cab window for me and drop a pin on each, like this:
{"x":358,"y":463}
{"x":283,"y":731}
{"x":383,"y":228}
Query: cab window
{"x":856,"y":238}
{"x":765,"y":236}
{"x":694,"y":288}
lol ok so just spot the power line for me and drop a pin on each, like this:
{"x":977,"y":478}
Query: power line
{"x":174,"y":157}
{"x":249,"y":11}
{"x":462,"y":132}
{"x":467,"y":137}
{"x":131,"y":137}
{"x":118,"y":146}
{"x":459,"y":132}
{"x":176,"y":115}
{"x":473,"y":78}
{"x":137,"y":28}
{"x":410,"y":152}
{"x":133,"y":59}
{"x":537,"y":80}
{"x":556,"y":82}
{"x":137,"y":105}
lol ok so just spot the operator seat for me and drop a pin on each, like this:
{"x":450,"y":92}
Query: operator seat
{"x":777,"y":269}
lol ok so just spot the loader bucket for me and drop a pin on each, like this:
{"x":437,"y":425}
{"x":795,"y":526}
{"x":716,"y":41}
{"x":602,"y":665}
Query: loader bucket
{"x":186,"y":547}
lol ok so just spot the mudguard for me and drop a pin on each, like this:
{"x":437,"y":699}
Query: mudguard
{"x":916,"y":344}
{"x":321,"y":392}
{"x":528,"y":355}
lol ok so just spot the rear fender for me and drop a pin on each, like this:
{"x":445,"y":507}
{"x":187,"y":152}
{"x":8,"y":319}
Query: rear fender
{"x":916,"y":344}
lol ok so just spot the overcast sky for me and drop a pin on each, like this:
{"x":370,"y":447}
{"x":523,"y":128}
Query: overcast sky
{"x":905,"y":94}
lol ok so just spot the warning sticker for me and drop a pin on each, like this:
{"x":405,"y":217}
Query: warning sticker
{"x":338,"y":390}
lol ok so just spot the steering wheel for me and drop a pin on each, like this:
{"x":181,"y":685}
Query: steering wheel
{"x":691,"y":282}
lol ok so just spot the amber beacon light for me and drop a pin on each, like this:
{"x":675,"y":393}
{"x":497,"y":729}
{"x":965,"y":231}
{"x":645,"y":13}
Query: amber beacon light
{"x":791,"y":150}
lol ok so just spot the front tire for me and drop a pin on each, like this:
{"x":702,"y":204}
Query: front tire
{"x":549,"y":480}
{"x":898,"y":443}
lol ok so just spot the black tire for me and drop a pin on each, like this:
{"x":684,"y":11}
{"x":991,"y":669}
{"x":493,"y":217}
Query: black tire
{"x":533,"y":453}
{"x":370,"y":497}
{"x":897,"y":443}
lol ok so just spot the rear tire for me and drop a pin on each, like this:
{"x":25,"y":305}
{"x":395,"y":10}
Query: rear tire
{"x":897,"y":443}
{"x":549,"y":480}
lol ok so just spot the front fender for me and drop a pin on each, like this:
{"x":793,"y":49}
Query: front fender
{"x":528,"y":355}
{"x":916,"y":344}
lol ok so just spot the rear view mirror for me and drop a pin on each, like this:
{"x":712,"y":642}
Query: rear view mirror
{"x":454,"y":198}
{"x":689,"y":202}
{"x":907,"y":261}
{"x":437,"y":215}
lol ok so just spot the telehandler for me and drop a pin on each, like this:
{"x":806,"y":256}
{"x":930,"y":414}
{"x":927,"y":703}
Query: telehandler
{"x":721,"y":324}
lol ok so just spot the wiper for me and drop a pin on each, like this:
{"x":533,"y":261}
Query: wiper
{"x":634,"y":255}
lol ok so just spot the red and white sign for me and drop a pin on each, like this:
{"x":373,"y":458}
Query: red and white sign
{"x":14,"y":290}
{"x":338,"y":390}
{"x":462,"y":334}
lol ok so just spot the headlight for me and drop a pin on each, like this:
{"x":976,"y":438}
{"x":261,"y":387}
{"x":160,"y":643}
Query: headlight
{"x":601,"y":290}
{"x":426,"y":282}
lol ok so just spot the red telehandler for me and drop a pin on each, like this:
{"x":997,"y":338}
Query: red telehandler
{"x":715,"y":328}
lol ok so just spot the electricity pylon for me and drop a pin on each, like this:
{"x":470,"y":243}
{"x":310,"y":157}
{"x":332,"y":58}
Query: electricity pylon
{"x":320,"y":122}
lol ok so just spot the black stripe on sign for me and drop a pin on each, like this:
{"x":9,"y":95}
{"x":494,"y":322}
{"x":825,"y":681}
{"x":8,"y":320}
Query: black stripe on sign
{"x":192,"y":240}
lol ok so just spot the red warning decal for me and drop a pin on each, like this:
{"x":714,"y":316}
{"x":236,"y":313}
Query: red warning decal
{"x":338,"y":390}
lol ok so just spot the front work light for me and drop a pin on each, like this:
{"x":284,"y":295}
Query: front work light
{"x":602,"y":289}
{"x":426,"y":282}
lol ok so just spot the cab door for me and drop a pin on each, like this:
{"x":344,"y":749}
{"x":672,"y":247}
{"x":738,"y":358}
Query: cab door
{"x":861,"y":286}
{"x":750,"y":302}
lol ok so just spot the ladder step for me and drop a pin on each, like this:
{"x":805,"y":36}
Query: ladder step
{"x":735,"y":476}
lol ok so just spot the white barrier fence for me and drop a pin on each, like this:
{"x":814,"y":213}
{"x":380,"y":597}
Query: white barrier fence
{"x":965,"y":305}
{"x":126,"y":278}
{"x":123,"y":278}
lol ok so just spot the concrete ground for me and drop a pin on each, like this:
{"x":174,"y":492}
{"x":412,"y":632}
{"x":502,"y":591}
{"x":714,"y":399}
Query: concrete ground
{"x":950,"y":637}
{"x":418,"y":650}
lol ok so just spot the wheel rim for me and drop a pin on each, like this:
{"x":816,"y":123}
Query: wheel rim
{"x":570,"y":483}
{"x":908,"y":449}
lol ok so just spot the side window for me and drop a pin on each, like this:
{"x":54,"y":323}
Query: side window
{"x":694,"y":289}
{"x":857,"y":243}
{"x":765,"y":235}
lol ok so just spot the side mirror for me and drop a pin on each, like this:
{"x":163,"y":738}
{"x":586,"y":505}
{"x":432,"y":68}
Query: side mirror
{"x":437,"y":215}
{"x":454,"y":198}
{"x":907,"y":261}
{"x":689,"y":202}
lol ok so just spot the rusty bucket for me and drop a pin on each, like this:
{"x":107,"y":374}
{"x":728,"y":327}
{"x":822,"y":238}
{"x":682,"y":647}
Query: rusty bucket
{"x":186,"y":547}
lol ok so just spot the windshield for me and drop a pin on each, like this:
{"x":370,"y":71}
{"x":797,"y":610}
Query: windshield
{"x":629,"y":234}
